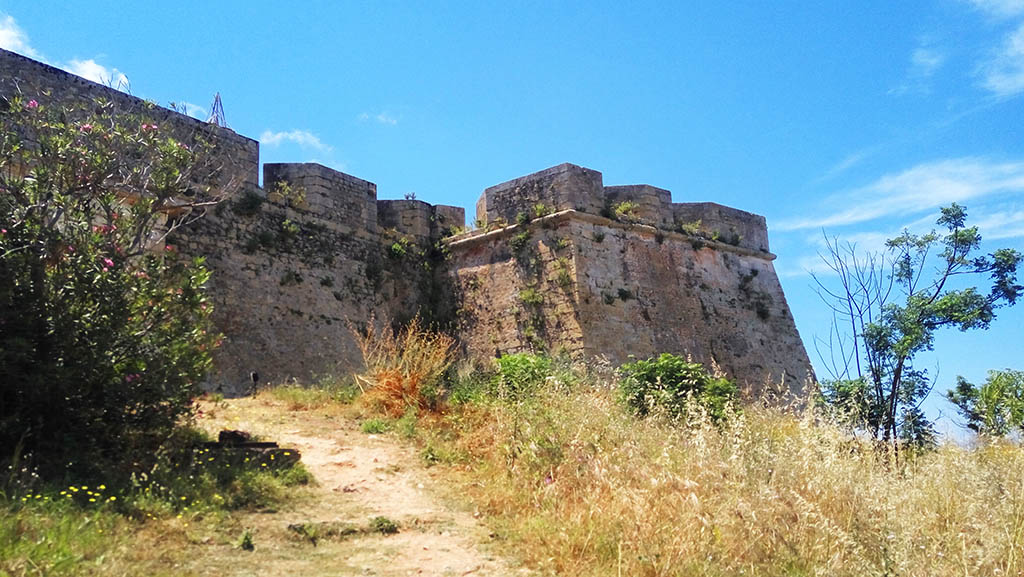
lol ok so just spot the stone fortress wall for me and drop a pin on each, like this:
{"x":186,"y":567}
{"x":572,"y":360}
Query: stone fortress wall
{"x":559,"y":262}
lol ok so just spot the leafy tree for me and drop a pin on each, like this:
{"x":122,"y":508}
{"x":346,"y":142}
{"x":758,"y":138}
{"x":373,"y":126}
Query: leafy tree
{"x":886,"y":310}
{"x":103,"y":331}
{"x":996,"y":407}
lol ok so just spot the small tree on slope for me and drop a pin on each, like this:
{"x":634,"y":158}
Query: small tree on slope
{"x":887,"y":308}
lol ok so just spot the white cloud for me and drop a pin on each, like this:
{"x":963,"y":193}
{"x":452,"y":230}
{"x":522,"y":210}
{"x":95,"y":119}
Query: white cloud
{"x":91,"y":70}
{"x":1001,"y":8}
{"x":1004,"y":73}
{"x":848,"y":162}
{"x":14,"y":39}
{"x":1001,"y":224}
{"x":918,"y":189}
{"x":303,"y":138}
{"x":194,"y":110}
{"x":925,"y":61}
{"x":382,"y":118}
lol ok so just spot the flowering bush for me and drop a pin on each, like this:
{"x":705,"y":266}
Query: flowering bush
{"x":104,"y":331}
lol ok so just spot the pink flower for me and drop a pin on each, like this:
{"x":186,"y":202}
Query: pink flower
{"x":131,"y":377}
{"x":169,"y":248}
{"x":85,"y":128}
{"x":32,"y":104}
{"x":3,"y":231}
{"x":108,"y":263}
{"x":149,"y":127}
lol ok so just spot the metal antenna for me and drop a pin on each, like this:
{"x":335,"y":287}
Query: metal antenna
{"x":217,"y":112}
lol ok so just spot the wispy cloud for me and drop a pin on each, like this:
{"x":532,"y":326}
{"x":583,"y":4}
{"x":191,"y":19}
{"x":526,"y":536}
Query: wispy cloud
{"x":91,"y":70}
{"x":1001,"y":224}
{"x":303,"y":138}
{"x":848,"y":162}
{"x":925,"y":61}
{"x":381,"y":118}
{"x":14,"y":39}
{"x":1000,"y":8}
{"x":1003,"y":74}
{"x":918,"y":189}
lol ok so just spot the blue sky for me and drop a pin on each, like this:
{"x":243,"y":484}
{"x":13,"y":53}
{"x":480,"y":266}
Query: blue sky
{"x":858,"y":118}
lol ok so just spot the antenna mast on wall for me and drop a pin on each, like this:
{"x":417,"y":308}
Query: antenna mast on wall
{"x":217,"y":112}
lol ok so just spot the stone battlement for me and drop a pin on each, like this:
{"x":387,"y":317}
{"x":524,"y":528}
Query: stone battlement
{"x":571,"y":187}
{"x":564,"y":264}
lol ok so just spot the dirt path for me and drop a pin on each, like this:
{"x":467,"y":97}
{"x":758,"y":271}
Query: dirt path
{"x":360,"y":477}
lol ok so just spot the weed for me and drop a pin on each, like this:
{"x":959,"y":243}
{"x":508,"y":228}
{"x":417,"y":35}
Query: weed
{"x":245,"y":543}
{"x":406,"y":425}
{"x":399,"y":249}
{"x":690,"y":228}
{"x":519,"y":241}
{"x":625,"y":211}
{"x":375,"y":426}
{"x":531,"y":297}
{"x":598,"y":236}
{"x":563,"y":277}
{"x":290,"y":277}
{"x":625,"y":294}
{"x":384,"y":526}
{"x":328,"y":390}
{"x":248,"y":204}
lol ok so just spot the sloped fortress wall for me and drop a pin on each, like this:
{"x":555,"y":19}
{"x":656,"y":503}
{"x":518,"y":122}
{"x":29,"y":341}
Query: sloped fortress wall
{"x":624,"y":273}
{"x":560,"y":263}
{"x":295,"y":268}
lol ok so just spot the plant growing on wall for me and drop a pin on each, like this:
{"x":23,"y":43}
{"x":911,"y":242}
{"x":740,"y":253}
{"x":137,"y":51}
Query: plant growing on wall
{"x":104,"y":331}
{"x":625,"y":211}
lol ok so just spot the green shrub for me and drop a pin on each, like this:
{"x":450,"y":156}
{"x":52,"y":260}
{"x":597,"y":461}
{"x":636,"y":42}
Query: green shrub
{"x":519,"y":375}
{"x":102,"y":334}
{"x":671,"y":384}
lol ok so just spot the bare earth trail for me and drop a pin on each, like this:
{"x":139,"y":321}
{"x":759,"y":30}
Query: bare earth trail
{"x":359,"y":477}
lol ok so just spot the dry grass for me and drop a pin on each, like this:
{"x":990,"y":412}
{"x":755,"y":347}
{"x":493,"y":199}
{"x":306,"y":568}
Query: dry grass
{"x":583,"y":489}
{"x":404,"y":368}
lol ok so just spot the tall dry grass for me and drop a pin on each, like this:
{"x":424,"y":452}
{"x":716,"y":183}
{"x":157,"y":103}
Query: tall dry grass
{"x":404,"y":367}
{"x":589,"y":490}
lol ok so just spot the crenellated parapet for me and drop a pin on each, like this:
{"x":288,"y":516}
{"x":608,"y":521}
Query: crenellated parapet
{"x":571,"y":187}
